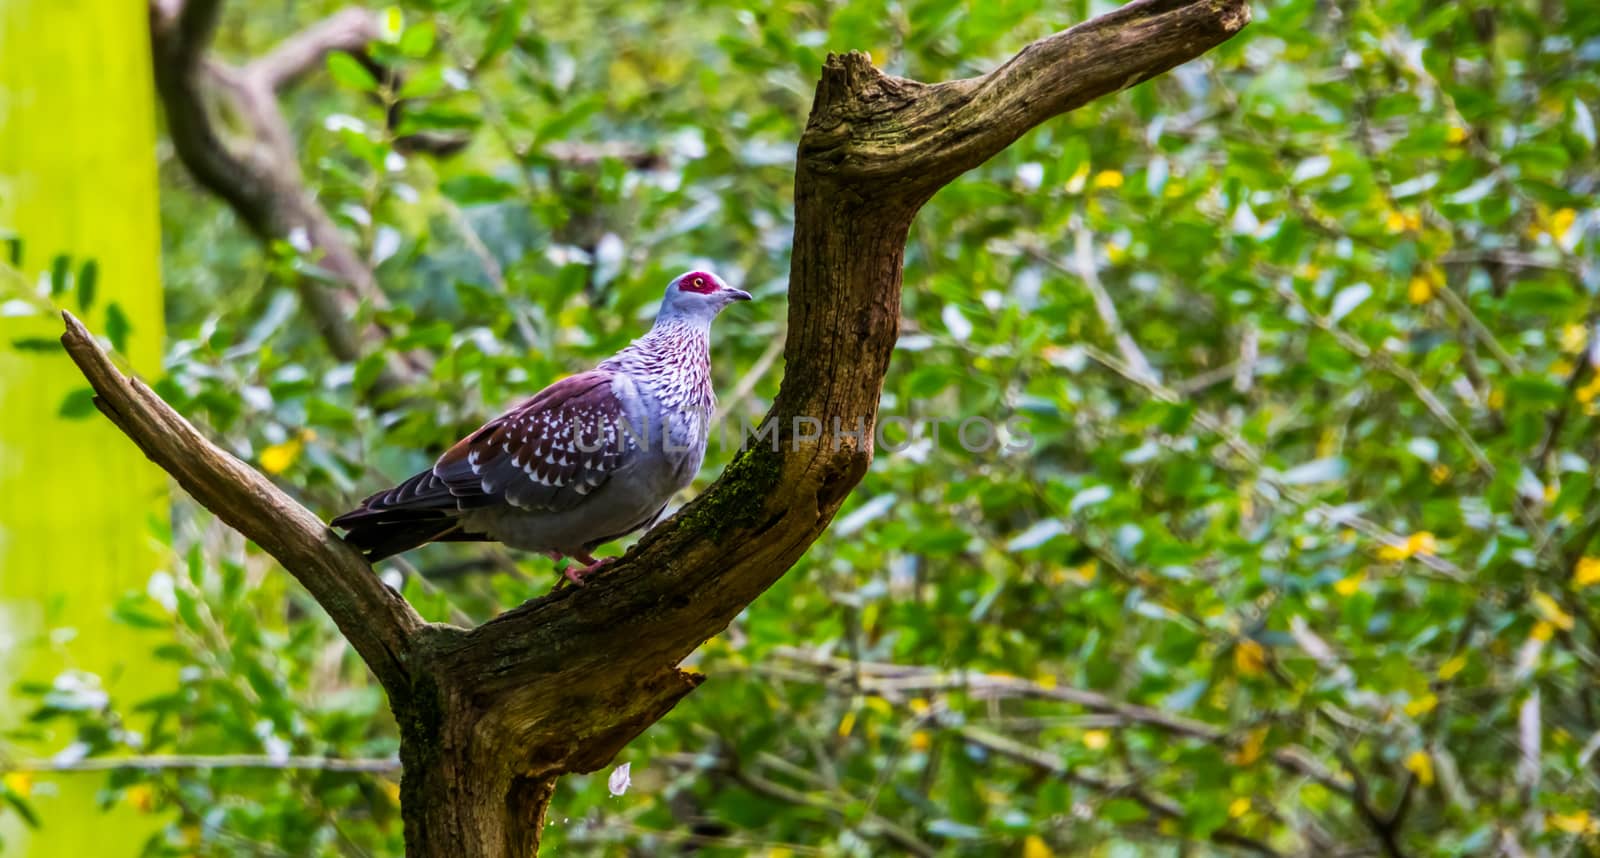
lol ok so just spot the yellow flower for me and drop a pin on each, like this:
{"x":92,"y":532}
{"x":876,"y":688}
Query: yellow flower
{"x":1542,"y":631}
{"x":918,"y":706}
{"x":1551,"y":612}
{"x":1574,"y":338}
{"x":277,"y":458}
{"x":1250,"y":658}
{"x":19,"y":783}
{"x":1455,"y":135}
{"x":1422,"y":705}
{"x":1400,"y":222}
{"x":1096,"y":740}
{"x":1576,"y":822}
{"x":1238,"y":807}
{"x":1455,"y":665}
{"x":1033,"y":846}
{"x":1350,"y":584}
{"x":1587,"y":393}
{"x":921,"y":741}
{"x":1586,"y":573}
{"x":1108,"y":179}
{"x":142,"y":797}
{"x":847,"y":724}
{"x":1421,"y":765}
{"x":1561,"y":223}
{"x":1420,"y":290}
{"x":1421,"y":542}
{"x":1439,"y":474}
{"x":1250,"y":749}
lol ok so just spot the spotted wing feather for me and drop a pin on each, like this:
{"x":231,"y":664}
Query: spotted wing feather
{"x":548,"y":453}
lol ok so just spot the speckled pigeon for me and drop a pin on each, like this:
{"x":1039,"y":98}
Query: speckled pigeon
{"x":591,"y":458}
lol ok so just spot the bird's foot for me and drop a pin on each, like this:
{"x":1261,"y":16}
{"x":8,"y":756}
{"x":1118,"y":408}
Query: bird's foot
{"x":576,"y":574}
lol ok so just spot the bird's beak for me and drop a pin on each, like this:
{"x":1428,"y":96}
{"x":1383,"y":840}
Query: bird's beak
{"x":738,"y":295}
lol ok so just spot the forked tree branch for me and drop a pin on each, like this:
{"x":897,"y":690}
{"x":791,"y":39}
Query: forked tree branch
{"x":490,"y":717}
{"x":888,"y":128}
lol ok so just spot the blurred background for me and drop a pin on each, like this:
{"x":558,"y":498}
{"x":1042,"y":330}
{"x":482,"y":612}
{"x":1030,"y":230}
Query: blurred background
{"x":1302,"y":558}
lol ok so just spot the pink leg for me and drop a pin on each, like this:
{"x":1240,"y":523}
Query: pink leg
{"x":576,"y":574}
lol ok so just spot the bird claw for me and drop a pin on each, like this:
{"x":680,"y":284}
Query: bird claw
{"x":576,"y":574}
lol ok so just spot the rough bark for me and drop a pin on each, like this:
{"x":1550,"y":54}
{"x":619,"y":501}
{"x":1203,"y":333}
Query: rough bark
{"x":490,"y":717}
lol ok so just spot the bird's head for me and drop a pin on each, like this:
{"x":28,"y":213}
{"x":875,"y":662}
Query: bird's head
{"x":699,"y":295}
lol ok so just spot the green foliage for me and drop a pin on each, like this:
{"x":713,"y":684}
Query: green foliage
{"x":1344,"y":518}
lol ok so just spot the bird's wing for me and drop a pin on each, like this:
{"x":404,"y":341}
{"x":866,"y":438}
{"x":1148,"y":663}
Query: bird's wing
{"x":546,"y":454}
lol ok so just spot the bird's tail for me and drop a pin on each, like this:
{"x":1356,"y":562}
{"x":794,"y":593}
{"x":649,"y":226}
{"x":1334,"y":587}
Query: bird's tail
{"x":417,"y":511}
{"x":384,"y":533}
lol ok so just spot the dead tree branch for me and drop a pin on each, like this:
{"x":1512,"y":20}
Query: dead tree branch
{"x":491,"y":717}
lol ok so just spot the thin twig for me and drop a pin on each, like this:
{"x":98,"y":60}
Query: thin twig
{"x":1083,"y":263}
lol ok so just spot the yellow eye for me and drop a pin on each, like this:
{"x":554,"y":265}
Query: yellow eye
{"x":699,"y":281}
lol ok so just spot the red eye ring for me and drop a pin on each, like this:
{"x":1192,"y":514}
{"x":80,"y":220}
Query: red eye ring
{"x":699,"y":282}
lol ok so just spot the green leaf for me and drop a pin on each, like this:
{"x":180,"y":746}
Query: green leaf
{"x":504,"y":34}
{"x":88,"y":278}
{"x":77,"y":404}
{"x":476,"y":189}
{"x":118,"y":327}
{"x":424,"y":83}
{"x":60,"y":275}
{"x":1123,"y":810}
{"x":349,"y":71}
{"x":22,"y":807}
{"x":45,"y":345}
{"x":417,"y":41}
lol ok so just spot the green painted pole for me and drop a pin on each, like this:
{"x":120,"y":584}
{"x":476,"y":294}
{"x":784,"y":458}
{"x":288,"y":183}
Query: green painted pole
{"x":77,"y":177}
